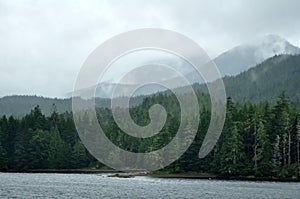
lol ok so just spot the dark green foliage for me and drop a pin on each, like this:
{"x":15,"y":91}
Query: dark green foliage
{"x":261,"y":138}
{"x":79,"y":157}
{"x":232,"y":153}
{"x":3,"y":158}
{"x":257,"y":139}
{"x":39,"y":149}
{"x":262,"y":148}
{"x":36,"y":142}
{"x":59,"y":151}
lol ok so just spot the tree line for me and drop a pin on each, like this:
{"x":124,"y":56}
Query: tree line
{"x":39,"y":142}
{"x":259,"y":139}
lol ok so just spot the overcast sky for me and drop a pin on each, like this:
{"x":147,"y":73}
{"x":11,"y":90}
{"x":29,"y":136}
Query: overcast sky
{"x":44,"y":43}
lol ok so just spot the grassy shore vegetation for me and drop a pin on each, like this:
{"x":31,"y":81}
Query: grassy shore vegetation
{"x":258,"y":139}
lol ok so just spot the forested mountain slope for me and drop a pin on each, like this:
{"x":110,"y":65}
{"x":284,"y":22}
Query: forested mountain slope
{"x":266,"y":81}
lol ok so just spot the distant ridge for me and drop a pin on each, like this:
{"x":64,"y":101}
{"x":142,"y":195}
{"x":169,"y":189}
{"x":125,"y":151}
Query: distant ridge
{"x":20,"y":105}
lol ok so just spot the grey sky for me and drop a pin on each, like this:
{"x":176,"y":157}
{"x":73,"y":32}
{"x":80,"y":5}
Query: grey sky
{"x":43,"y":43}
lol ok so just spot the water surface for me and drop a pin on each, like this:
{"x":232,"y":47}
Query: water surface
{"x":26,"y":185}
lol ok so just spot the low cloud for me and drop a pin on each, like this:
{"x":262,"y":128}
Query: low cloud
{"x":44,"y":43}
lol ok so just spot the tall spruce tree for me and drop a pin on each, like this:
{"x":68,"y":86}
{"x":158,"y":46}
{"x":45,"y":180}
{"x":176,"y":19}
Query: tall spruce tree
{"x":232,"y":153}
{"x":58,"y":151}
{"x":262,"y":155}
{"x":79,"y":157}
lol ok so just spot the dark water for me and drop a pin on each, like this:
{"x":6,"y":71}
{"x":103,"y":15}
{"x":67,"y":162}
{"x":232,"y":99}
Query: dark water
{"x":22,"y":185}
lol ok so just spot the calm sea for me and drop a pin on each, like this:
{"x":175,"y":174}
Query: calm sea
{"x":25,"y":185}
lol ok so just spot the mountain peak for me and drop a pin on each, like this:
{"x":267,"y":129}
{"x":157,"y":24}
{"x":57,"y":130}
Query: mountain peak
{"x":245,"y":56}
{"x":270,"y":45}
{"x":271,"y":38}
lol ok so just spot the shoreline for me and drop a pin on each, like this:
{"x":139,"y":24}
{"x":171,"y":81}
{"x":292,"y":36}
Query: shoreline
{"x":221,"y":177}
{"x":66,"y":171}
{"x":204,"y":176}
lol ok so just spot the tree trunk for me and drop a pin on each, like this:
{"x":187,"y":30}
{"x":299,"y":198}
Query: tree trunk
{"x":298,"y":156}
{"x":255,"y":146}
{"x":289,"y":151}
{"x":284,"y":149}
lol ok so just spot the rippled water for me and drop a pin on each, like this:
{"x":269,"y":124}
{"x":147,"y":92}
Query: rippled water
{"x":22,"y":185}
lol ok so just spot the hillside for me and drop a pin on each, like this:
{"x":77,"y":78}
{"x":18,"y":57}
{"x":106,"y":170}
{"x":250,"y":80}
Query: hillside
{"x":21,"y":105}
{"x":267,"y":80}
